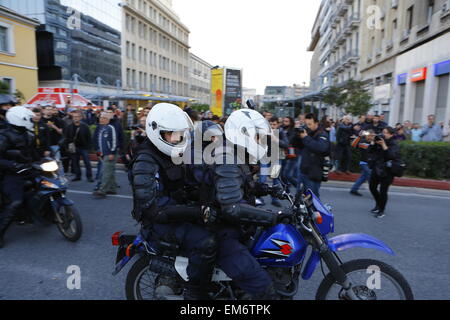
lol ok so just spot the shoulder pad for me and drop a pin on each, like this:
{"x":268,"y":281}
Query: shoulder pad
{"x":228,"y":171}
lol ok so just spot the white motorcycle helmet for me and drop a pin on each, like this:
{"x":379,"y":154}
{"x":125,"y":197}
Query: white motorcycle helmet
{"x":20,"y":117}
{"x":167,"y":118}
{"x":247,"y":128}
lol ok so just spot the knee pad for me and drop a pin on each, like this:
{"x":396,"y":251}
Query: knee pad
{"x":208,"y":248}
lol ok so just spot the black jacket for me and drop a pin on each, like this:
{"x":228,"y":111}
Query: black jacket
{"x":378,"y":157}
{"x":41,"y":137}
{"x":14,"y":138}
{"x":379,"y":127}
{"x":316,"y":146}
{"x":344,"y":134}
{"x":55,"y":137}
{"x":83,"y":138}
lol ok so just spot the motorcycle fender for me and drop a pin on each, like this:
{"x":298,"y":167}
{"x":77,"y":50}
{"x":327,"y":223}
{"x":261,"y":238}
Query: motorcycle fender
{"x":342,"y":243}
{"x":62,"y":202}
{"x":348,"y":241}
{"x":181,"y":264}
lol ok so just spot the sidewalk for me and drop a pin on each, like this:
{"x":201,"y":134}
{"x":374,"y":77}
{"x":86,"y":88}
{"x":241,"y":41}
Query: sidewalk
{"x":400,"y":182}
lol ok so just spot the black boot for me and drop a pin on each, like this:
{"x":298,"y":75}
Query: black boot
{"x":269,"y":295}
{"x":196,"y":292}
{"x":6,"y":218}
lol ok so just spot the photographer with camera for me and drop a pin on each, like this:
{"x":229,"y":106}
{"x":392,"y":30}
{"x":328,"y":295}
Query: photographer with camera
{"x":315,"y":151}
{"x":383,"y":152}
{"x":362,"y":143}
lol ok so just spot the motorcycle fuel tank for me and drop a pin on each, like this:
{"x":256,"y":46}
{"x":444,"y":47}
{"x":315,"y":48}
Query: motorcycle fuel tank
{"x":280,"y":246}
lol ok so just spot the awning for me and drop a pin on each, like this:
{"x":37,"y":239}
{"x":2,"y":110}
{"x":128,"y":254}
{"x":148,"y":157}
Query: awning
{"x":58,"y":96}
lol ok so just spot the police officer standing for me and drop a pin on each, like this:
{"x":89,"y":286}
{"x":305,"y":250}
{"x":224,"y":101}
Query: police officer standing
{"x":17,"y":152}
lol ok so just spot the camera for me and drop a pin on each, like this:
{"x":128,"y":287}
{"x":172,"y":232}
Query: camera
{"x":136,"y":127}
{"x":327,"y":166}
{"x":379,"y":137}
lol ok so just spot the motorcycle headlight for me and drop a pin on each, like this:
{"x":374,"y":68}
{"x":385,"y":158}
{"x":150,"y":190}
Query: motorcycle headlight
{"x":51,"y":166}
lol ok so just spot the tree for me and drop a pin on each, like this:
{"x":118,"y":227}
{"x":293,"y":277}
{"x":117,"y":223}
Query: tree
{"x":20,"y":97}
{"x":351,"y":98}
{"x":4,"y":88}
{"x":200,"y":107}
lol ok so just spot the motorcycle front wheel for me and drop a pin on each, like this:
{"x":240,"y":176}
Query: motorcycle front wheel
{"x":370,"y":279}
{"x":71,"y":227}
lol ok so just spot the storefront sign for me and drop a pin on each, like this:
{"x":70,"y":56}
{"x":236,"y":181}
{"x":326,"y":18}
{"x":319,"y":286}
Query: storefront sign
{"x":419,"y":75}
{"x":402,"y":78}
{"x":442,"y":68}
{"x":217,"y":96}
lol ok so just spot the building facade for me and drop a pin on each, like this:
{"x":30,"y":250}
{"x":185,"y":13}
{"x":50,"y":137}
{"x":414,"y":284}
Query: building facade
{"x":404,"y":57}
{"x":398,"y":48}
{"x":74,"y":48}
{"x":199,"y":79}
{"x":18,"y":64}
{"x":156,"y":49}
{"x":336,"y":39}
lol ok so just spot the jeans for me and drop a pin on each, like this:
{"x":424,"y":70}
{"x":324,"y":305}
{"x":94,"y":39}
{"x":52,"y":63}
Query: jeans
{"x":57,"y":155}
{"x":108,"y":175}
{"x":310,"y":184}
{"x":291,"y":171}
{"x":380,"y":196}
{"x":344,"y":155}
{"x":365,"y":176}
{"x":264,"y":174}
{"x":99,"y":174}
{"x":84,"y":154}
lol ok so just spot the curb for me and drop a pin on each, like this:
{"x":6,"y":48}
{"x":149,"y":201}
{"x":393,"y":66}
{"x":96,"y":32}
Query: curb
{"x":399,"y":182}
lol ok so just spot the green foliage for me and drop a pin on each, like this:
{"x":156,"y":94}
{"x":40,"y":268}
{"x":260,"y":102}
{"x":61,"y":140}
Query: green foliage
{"x":351,"y":98}
{"x":429,"y":160}
{"x":4,"y":88}
{"x":200,"y":107}
{"x":20,"y":97}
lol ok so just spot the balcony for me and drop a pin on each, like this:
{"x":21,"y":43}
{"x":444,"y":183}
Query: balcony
{"x":342,"y":9}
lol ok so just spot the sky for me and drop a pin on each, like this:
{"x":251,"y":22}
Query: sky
{"x":268,"y":39}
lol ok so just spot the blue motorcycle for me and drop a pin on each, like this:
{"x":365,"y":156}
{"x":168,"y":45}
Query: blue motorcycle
{"x":46,"y":202}
{"x":159,"y":274}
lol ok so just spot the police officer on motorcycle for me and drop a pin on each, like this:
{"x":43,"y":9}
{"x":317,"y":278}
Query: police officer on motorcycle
{"x":235,"y":196}
{"x":160,"y":203}
{"x":17,"y":152}
{"x":6,"y":103}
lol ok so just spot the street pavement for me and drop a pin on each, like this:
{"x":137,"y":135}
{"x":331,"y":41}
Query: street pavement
{"x":34,"y":262}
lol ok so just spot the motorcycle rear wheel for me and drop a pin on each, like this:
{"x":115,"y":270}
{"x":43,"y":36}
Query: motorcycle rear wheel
{"x":144,"y":284}
{"x":71,"y":228}
{"x":361,"y":288}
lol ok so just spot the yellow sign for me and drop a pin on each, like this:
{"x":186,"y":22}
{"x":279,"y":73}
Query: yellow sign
{"x":217,"y":94}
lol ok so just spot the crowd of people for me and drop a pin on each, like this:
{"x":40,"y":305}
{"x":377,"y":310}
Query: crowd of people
{"x":66,"y":135}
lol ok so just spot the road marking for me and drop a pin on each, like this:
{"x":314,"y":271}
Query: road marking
{"x":109,"y":196}
{"x":325,"y":188}
{"x":395,"y":193}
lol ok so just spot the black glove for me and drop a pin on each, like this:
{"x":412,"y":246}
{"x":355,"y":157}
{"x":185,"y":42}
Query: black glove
{"x":277,"y":192}
{"x":261,"y":190}
{"x":285,"y":216}
{"x":209,"y":215}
